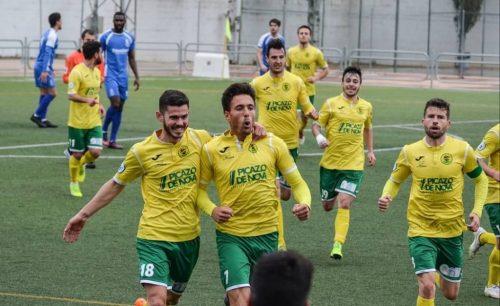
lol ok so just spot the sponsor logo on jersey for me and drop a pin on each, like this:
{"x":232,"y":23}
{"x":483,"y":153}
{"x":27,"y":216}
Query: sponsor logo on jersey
{"x":420,"y":161}
{"x":247,"y":175}
{"x":278,"y":106}
{"x":178,"y":179}
{"x":156,"y":157}
{"x":301,"y":66}
{"x":436,"y":184}
{"x":121,"y":168}
{"x":350,"y":128}
{"x":481,"y":146}
{"x":446,"y":158}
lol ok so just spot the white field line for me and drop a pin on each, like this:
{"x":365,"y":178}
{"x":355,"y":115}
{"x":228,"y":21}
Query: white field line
{"x":405,"y":126}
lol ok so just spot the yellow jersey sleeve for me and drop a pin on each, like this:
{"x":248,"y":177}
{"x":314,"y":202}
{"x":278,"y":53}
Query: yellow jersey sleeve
{"x":488,"y":146}
{"x":324,"y":114}
{"x":471,"y":167}
{"x":320,"y":60}
{"x":284,"y":161}
{"x":74,"y":82}
{"x":206,"y":168}
{"x":369,"y":118}
{"x":130,"y":169}
{"x":401,"y":169}
{"x":303,"y":99}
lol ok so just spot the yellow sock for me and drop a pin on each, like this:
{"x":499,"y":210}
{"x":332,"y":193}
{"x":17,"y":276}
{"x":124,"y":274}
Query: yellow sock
{"x":494,"y":267}
{"x":87,"y":158}
{"x":424,"y":302}
{"x":437,"y":279}
{"x":281,"y":230}
{"x":341,"y":225}
{"x":74,"y":167}
{"x":487,"y":238}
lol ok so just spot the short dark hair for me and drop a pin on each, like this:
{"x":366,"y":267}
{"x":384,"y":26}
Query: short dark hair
{"x":90,"y":48}
{"x":281,"y":278}
{"x":233,"y":90}
{"x":119,"y":13}
{"x":276,"y":21}
{"x":87,"y":31}
{"x":305,"y":27}
{"x":275,"y":43}
{"x":352,"y":70}
{"x":54,"y":18}
{"x":172,"y":97}
{"x":438,"y":103}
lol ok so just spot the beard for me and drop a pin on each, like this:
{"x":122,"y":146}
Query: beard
{"x":434,"y":134}
{"x":171,"y":131}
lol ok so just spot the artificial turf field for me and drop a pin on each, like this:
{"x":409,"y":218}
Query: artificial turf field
{"x":38,"y":268}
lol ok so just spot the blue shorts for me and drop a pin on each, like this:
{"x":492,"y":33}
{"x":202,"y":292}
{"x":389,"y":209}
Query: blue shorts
{"x":116,"y":88}
{"x":50,"y":81}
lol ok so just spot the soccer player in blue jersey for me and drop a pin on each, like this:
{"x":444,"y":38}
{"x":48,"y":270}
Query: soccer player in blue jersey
{"x":119,"y":48}
{"x":44,"y":72}
{"x":262,"y":46}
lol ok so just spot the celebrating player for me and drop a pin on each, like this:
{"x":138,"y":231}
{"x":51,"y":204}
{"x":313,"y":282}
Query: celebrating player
{"x":119,"y":47}
{"x":437,"y":165}
{"x":307,"y":62}
{"x":347,"y":120}
{"x":84,"y":123}
{"x":244,"y":173}
{"x":278,"y":93}
{"x":44,"y":71}
{"x":263,"y":44}
{"x":490,"y":149}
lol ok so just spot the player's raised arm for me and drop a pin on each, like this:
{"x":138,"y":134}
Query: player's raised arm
{"x":102,"y":198}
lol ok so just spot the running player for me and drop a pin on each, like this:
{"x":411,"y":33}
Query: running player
{"x":44,"y":71}
{"x":263,"y":44}
{"x":84,"y":122}
{"x":437,"y":165}
{"x":347,"y":121}
{"x":307,"y":62}
{"x":118,"y":46}
{"x":244,"y":173}
{"x":490,"y":149}
{"x":278,"y":94}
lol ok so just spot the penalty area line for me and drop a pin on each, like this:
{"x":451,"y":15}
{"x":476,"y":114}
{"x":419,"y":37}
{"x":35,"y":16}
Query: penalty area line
{"x":60,"y":299}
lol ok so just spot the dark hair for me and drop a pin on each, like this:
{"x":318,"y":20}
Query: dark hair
{"x":275,"y":43}
{"x":54,"y":18}
{"x":172,"y":97}
{"x":233,"y":90}
{"x":276,"y":21}
{"x":119,"y":13}
{"x":305,"y":27}
{"x":281,"y":279}
{"x":90,"y":48}
{"x":87,"y":31}
{"x":352,"y":70}
{"x":438,"y":103}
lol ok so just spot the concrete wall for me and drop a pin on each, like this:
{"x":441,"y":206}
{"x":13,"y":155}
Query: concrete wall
{"x":203,"y":21}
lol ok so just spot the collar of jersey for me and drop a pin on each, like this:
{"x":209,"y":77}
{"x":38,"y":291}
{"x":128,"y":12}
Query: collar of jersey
{"x":440,"y":146}
{"x":227,"y":136}
{"x":157,"y":138}
{"x":349,"y":101}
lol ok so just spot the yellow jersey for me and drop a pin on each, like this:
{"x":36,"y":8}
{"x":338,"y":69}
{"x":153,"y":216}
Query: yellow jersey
{"x":489,"y":148}
{"x":304,"y":62}
{"x":435,"y":207}
{"x":245,"y":178}
{"x":344,"y":123}
{"x":277,"y":100}
{"x":169,"y":184}
{"x":84,"y":82}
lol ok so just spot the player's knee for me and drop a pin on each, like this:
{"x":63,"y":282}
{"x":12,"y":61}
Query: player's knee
{"x":77,"y":155}
{"x":173,"y":298}
{"x":157,"y":299}
{"x":95,"y":152}
{"x":344,"y":203}
{"x":427,"y":288}
{"x":451,"y":294}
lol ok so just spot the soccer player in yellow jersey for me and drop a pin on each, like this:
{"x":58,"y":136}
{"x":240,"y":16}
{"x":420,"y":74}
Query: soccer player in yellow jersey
{"x":244,"y":172}
{"x":435,"y":213}
{"x":490,"y":149}
{"x":168,"y":163}
{"x":278,"y":93}
{"x":84,"y":123}
{"x":307,"y":62}
{"x":347,"y":121}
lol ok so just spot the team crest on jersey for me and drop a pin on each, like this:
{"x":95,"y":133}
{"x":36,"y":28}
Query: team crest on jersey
{"x":252,"y":148}
{"x":360,"y":111}
{"x":285,"y":87}
{"x":307,"y":54}
{"x":446,"y":158}
{"x":183,"y":151}
{"x":481,"y":146}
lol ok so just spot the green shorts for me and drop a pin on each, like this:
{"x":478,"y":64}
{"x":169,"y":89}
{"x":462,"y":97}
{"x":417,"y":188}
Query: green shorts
{"x":283,"y":182}
{"x":238,"y":255}
{"x":333,"y":182}
{"x":311,"y":98}
{"x":493,"y":210}
{"x":81,"y":139}
{"x":167,"y":264}
{"x":445,"y":255}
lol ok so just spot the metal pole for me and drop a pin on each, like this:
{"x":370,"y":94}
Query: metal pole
{"x":41,"y":17}
{"x":360,"y":15}
{"x":283,"y":22}
{"x":323,"y":25}
{"x":482,"y":35}
{"x":81,"y":18}
{"x":429,"y":27}
{"x":461,"y":44}
{"x":396,"y":36}
{"x":198,"y":28}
